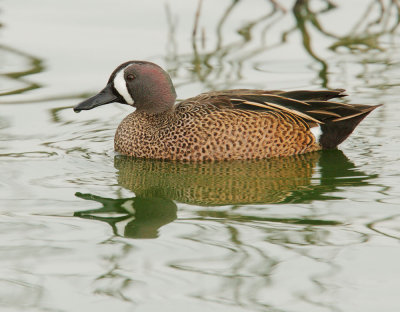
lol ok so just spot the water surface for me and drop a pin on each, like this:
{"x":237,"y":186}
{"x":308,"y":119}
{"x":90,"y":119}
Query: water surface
{"x":84,"y":229}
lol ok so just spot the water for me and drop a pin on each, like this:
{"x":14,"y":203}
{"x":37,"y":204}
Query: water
{"x":83,"y":229}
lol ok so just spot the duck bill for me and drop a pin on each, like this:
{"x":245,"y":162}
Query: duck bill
{"x":105,"y":96}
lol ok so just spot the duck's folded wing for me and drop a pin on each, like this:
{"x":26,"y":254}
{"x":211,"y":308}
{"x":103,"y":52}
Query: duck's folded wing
{"x":311,"y":106}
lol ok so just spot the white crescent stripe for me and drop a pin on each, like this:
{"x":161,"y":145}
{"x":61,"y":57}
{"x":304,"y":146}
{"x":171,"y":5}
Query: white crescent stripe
{"x":120,"y":86}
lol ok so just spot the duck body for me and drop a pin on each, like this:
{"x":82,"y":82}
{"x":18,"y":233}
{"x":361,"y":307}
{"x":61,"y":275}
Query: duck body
{"x":208,"y":128}
{"x":222,"y":125}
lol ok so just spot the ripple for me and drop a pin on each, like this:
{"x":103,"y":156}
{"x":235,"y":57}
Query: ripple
{"x":12,"y":290}
{"x":388,"y":226}
{"x":30,"y":155}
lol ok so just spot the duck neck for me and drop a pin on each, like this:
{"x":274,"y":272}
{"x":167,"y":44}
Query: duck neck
{"x":155,"y":103}
{"x":157,"y":94}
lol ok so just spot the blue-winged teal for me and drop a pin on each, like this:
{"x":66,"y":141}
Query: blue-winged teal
{"x":221,"y":125}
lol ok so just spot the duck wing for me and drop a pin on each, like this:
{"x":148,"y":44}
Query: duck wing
{"x":311,"y":108}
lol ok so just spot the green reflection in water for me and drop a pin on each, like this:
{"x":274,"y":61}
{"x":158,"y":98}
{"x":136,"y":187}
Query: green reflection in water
{"x":144,"y":215}
{"x":221,"y":65}
{"x":158,"y":185}
{"x":35,"y":66}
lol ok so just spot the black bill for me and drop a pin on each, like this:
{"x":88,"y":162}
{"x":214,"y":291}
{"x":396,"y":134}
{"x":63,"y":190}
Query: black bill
{"x":105,"y":96}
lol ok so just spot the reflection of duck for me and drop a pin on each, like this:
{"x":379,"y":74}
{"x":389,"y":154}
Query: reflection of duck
{"x":157,"y":185}
{"x":272,"y":180}
{"x":221,"y":183}
{"x":144,"y":215}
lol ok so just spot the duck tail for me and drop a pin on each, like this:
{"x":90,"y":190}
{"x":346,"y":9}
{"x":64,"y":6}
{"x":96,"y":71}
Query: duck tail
{"x":335,"y":131}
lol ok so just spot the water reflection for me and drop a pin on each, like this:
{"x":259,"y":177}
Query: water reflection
{"x":158,"y":185}
{"x":222,"y":65}
{"x":143,"y":216}
{"x":15,"y":82}
{"x":365,"y":35}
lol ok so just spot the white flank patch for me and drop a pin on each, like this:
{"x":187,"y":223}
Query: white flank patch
{"x":120,"y":86}
{"x":317,"y":132}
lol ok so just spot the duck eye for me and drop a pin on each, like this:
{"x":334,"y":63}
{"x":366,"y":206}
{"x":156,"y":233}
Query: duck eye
{"x":130,"y":77}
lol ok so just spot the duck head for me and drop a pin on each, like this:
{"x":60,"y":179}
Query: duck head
{"x":141,"y":84}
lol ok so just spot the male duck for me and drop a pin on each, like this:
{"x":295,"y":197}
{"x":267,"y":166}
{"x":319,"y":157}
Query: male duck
{"x":221,"y":125}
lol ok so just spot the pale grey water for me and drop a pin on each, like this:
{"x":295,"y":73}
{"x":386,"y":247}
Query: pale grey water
{"x":85,"y":230}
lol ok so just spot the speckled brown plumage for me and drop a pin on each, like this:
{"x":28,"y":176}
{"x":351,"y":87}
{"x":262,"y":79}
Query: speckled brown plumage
{"x":194,"y":131}
{"x":222,"y":125}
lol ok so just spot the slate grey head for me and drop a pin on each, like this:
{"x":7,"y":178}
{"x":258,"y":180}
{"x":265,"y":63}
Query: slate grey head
{"x":141,"y":84}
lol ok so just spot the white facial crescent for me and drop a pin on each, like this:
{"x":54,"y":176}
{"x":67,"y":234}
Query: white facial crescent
{"x":120,"y":86}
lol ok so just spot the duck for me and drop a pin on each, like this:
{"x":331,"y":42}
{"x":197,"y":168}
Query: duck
{"x":235,"y":124}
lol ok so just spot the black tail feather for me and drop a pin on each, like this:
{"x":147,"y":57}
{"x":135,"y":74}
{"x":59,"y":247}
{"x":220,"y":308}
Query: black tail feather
{"x":335,"y":131}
